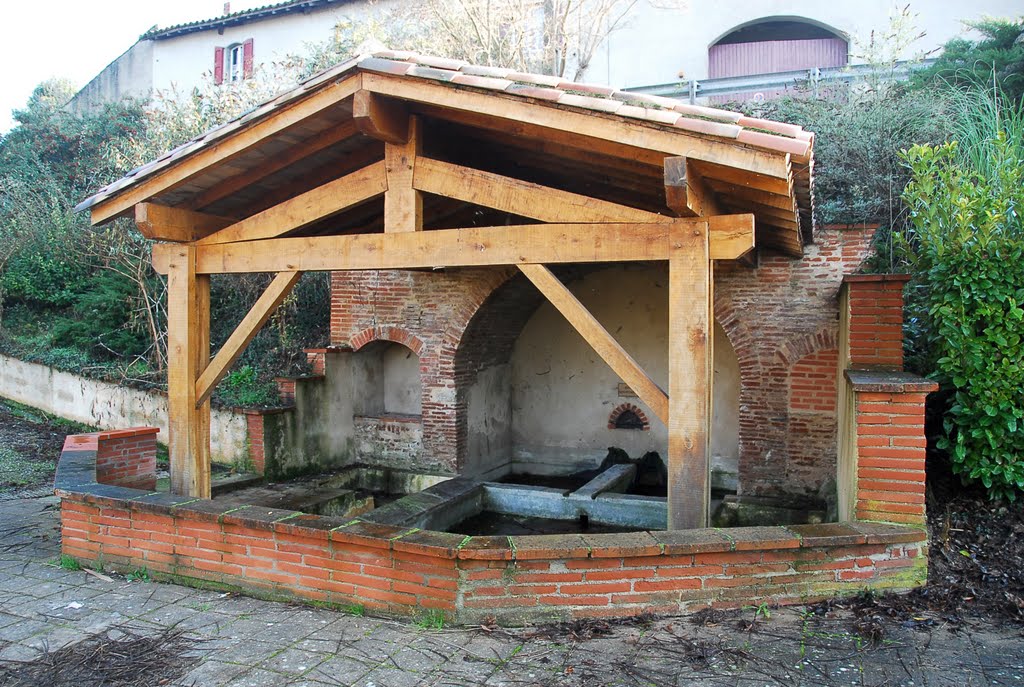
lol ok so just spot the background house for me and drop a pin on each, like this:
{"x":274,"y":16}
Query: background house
{"x":662,"y":48}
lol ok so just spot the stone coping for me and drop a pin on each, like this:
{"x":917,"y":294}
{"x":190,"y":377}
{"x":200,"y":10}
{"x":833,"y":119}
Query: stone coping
{"x":875,"y":277}
{"x":889,"y":381}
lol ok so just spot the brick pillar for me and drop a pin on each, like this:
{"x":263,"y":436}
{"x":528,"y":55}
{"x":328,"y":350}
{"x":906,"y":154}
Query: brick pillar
{"x":875,"y":320}
{"x":254,"y":433}
{"x":890,"y":446}
{"x":127,"y":457}
{"x":285,"y":389}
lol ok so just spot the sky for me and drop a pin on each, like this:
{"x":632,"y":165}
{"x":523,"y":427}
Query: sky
{"x":76,"y":39}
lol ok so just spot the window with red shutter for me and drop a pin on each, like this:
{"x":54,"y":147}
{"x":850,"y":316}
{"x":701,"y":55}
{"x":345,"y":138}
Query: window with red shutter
{"x":218,"y":66}
{"x":247,"y":59}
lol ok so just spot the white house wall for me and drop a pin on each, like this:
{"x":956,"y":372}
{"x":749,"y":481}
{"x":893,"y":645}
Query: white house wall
{"x":663,"y":39}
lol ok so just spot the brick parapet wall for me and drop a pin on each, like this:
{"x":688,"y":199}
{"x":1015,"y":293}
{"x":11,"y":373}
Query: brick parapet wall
{"x":876,"y":320}
{"x":124,"y":458}
{"x":891,"y":446}
{"x":402,"y":571}
{"x":775,"y":316}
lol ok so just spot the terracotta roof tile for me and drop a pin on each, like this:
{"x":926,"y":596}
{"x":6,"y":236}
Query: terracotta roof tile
{"x":657,"y":110}
{"x":539,"y":92}
{"x":589,"y":102}
{"x":537,"y":79}
{"x":792,"y":146}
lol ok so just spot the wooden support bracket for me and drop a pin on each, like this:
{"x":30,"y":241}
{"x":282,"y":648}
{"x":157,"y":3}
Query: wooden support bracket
{"x":162,"y":223}
{"x":381,"y":118}
{"x":244,"y":333}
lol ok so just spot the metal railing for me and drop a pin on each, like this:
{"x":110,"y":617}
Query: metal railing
{"x":811,"y":81}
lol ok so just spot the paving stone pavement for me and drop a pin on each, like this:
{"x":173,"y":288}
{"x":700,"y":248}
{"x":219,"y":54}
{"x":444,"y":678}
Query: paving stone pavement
{"x":244,"y":641}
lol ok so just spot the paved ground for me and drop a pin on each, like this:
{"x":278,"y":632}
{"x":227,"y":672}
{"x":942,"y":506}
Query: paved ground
{"x":236,"y":641}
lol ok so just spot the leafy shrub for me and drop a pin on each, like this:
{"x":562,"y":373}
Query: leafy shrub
{"x":243,"y":388}
{"x":966,"y":247}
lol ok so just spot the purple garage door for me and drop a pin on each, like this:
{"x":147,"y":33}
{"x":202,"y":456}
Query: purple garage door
{"x":767,"y":57}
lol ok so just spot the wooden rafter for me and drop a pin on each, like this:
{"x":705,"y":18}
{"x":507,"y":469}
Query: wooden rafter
{"x":162,"y":223}
{"x":381,"y":118}
{"x":470,"y":247}
{"x":594,"y":333}
{"x":176,"y":174}
{"x":519,"y":197}
{"x":517,"y":114}
{"x":686,"y":191}
{"x":307,"y":148}
{"x":244,"y":333}
{"x":306,"y":208}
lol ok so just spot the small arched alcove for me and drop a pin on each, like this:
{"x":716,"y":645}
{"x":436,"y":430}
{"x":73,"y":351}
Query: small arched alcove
{"x":387,"y":403}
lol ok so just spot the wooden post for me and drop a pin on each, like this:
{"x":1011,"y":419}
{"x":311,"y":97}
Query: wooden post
{"x":188,"y":353}
{"x":689,"y":378}
{"x":403,"y":204}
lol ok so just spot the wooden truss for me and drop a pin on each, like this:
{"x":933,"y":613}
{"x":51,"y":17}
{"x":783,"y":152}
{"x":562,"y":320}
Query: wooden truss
{"x":574,"y":229}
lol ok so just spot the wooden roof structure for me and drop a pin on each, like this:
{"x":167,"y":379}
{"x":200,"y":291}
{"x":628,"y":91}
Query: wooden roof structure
{"x":398,"y":161}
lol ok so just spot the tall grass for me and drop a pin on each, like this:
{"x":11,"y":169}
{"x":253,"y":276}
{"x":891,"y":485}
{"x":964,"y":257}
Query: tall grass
{"x":988,"y":128}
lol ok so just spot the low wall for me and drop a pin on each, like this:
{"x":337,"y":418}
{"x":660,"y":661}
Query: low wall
{"x":404,"y":570}
{"x":109,"y":406}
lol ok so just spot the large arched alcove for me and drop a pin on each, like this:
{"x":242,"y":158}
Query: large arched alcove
{"x":536,"y":398}
{"x":776,"y":44}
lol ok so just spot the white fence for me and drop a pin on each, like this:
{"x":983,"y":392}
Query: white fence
{"x":110,"y":406}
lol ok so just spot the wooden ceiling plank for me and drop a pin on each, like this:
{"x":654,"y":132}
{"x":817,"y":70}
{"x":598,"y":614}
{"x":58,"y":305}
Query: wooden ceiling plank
{"x":161,"y":223}
{"x":306,"y":208}
{"x":275,"y":163}
{"x":181,"y":171}
{"x":590,"y":124}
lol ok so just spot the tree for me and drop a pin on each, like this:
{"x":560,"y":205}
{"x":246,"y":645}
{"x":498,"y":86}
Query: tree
{"x":557,"y":37}
{"x":995,"y":59}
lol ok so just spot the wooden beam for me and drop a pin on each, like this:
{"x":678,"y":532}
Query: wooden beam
{"x":162,"y":223}
{"x":403,"y":204}
{"x":519,"y":197}
{"x":470,"y":247}
{"x":244,"y":333}
{"x":745,"y":194}
{"x":188,"y":351}
{"x":300,"y":151}
{"x":512,"y":111}
{"x":381,"y":118}
{"x":306,"y":208}
{"x":594,"y":333}
{"x":782,"y":185}
{"x":689,"y":379}
{"x":177,"y":172}
{"x":686,"y":192}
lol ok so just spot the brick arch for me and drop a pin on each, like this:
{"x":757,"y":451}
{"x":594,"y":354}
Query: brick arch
{"x":397,"y":335}
{"x":631,"y":408}
{"x":795,"y":349}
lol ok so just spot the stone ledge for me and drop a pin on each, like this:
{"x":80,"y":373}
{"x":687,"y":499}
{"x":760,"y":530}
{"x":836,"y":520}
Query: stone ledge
{"x":875,"y":278}
{"x":889,"y":381}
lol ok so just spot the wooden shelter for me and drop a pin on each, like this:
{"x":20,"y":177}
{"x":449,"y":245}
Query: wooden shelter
{"x":401,"y":161}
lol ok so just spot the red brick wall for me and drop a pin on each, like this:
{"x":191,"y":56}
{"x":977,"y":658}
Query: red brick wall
{"x":775,"y":316}
{"x":403,"y":571}
{"x":891,"y":449}
{"x":876,"y":320}
{"x":125,"y":457}
{"x":255,"y":434}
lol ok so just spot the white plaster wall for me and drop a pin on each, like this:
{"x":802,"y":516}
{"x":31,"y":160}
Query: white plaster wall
{"x":109,"y":406}
{"x":403,"y":391}
{"x":489,"y":422}
{"x":563,"y":392}
{"x":663,"y":39}
{"x":129,"y":76}
{"x":182,"y":61}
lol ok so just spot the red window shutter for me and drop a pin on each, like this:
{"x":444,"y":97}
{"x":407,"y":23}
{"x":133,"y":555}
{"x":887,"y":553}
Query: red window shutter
{"x":247,"y":59}
{"x":218,"y":66}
